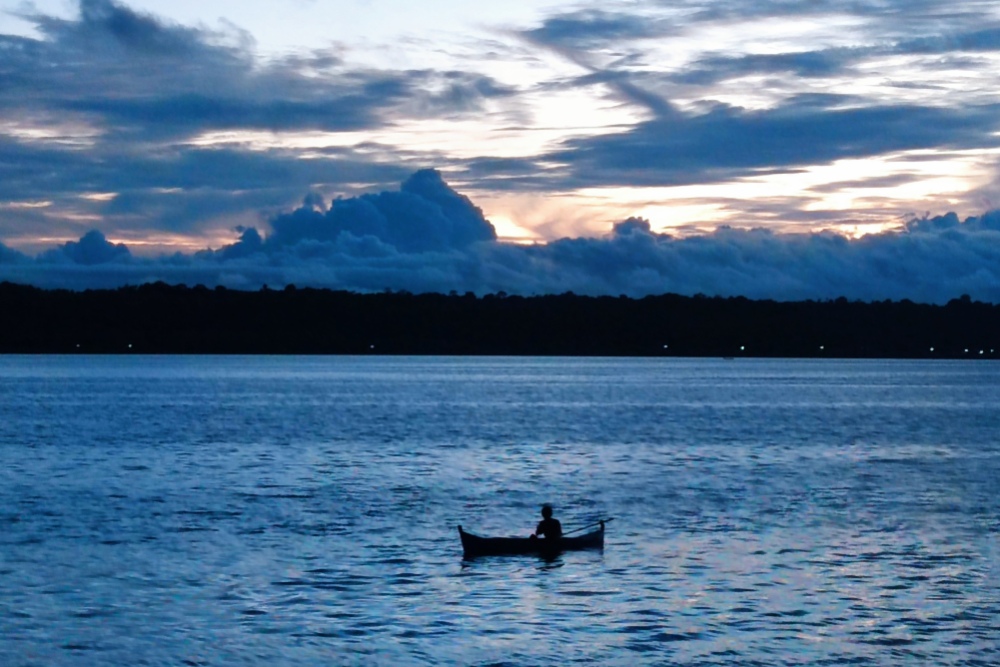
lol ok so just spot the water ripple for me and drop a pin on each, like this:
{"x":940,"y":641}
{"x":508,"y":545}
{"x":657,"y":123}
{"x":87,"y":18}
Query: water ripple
{"x":302,"y":511}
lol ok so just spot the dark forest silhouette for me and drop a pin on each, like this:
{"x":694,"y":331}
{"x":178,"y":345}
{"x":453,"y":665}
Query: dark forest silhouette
{"x":160,"y":318}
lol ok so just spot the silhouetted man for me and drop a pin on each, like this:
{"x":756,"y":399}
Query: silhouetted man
{"x":548,"y":527}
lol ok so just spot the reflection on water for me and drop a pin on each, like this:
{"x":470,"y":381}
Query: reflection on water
{"x":303,"y":511}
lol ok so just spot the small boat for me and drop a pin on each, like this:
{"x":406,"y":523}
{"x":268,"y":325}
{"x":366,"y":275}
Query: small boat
{"x":474,"y":545}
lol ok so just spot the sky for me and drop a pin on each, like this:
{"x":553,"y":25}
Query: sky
{"x":763,"y":148}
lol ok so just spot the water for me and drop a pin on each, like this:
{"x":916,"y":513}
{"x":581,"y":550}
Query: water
{"x":302,"y":511}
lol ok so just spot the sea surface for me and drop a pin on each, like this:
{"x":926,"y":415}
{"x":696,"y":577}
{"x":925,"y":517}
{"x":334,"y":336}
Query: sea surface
{"x":303,"y":511}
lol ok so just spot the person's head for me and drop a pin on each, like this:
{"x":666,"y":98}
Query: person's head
{"x":547,"y":511}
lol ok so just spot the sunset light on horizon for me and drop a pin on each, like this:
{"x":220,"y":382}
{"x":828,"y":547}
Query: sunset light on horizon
{"x":170,"y":129}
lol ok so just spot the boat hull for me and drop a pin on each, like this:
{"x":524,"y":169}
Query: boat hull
{"x":474,"y":545}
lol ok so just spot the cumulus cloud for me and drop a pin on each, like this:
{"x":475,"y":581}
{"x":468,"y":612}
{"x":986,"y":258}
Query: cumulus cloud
{"x":92,"y":248}
{"x":918,"y":264}
{"x":428,"y":238}
{"x":425,"y":215}
{"x":11,"y":256}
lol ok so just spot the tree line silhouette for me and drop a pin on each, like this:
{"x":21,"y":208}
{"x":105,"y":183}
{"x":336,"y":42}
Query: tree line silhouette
{"x":161,"y":318}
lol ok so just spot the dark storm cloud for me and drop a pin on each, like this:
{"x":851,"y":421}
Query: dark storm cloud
{"x":28,"y":171}
{"x":761,"y":264}
{"x":122,"y":93}
{"x":711,"y":142}
{"x":729,"y":142}
{"x":136,"y":75}
{"x":810,"y":64}
{"x":141,"y":87}
{"x":987,"y":222}
{"x":987,"y":39}
{"x":878,"y":182}
{"x":624,"y":85}
{"x":427,"y":237}
{"x":11,"y":256}
{"x":513,"y":174}
{"x":118,"y":96}
{"x":896,"y":19}
{"x":894,"y":27}
{"x":168,"y":189}
{"x":92,"y":248}
{"x":425,"y":215}
{"x":902,"y":13}
{"x":833,"y":62}
{"x":587,"y":28}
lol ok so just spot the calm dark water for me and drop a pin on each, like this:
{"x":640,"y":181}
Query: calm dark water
{"x":302,"y":511}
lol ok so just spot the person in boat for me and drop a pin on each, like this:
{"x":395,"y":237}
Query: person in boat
{"x":548,"y":527}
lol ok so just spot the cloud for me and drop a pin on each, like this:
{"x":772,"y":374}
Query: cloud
{"x":729,"y":142}
{"x":106,"y":119}
{"x":171,"y":81}
{"x":899,"y":14}
{"x":177,"y":191}
{"x":592,"y":28}
{"x":118,"y":102}
{"x":811,"y":64}
{"x":428,"y":238}
{"x":689,"y":137}
{"x":923,"y":266}
{"x":425,"y":215}
{"x":92,"y":248}
{"x":11,"y":256}
{"x":836,"y":61}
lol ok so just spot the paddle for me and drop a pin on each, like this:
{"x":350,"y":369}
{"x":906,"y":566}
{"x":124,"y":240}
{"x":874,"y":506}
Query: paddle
{"x":589,"y":525}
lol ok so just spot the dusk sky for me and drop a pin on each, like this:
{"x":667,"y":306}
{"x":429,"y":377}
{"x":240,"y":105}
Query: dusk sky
{"x":764,"y":148}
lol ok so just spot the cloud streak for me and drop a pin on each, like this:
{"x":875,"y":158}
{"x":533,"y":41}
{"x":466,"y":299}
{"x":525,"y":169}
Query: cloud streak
{"x":728,"y":143}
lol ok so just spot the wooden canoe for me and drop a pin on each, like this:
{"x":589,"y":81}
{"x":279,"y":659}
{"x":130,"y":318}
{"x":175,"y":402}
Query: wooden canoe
{"x":474,"y":545}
